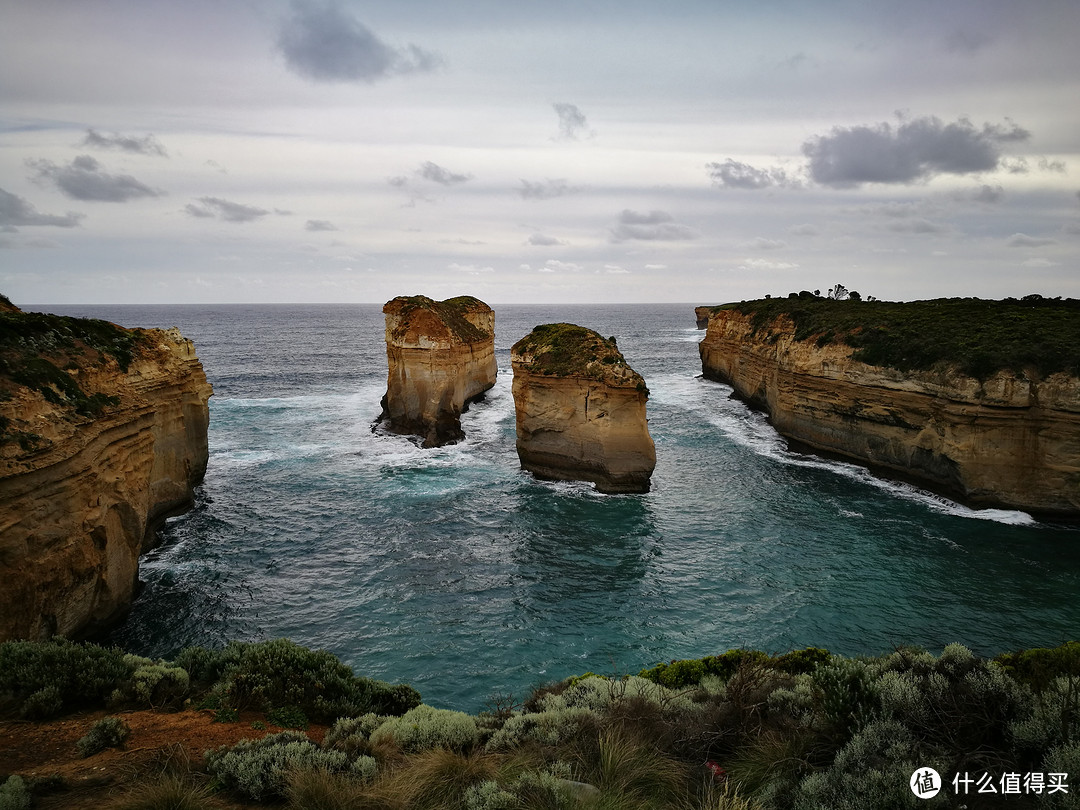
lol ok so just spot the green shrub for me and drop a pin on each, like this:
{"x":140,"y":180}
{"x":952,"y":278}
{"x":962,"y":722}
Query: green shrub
{"x":14,"y":794}
{"x":1064,"y":759}
{"x":320,"y":789}
{"x":1040,"y":666}
{"x":350,"y":733}
{"x":259,"y":769}
{"x":47,"y":677}
{"x":155,"y":683}
{"x":108,"y":732}
{"x":281,"y":673}
{"x":425,"y":727}
{"x":288,"y":717}
{"x":550,"y":728}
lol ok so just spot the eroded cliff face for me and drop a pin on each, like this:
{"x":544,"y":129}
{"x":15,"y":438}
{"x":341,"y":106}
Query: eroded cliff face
{"x":90,"y":466}
{"x":581,"y":410}
{"x":1012,"y":440}
{"x":440,"y":357}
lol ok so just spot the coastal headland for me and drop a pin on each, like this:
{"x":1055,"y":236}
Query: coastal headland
{"x":977,"y":399}
{"x":103,"y":435}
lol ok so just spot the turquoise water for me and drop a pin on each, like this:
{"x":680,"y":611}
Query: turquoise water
{"x":455,"y":571}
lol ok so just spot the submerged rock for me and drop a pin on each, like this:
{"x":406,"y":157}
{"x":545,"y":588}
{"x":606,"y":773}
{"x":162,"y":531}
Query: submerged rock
{"x":103,"y":434}
{"x":581,"y":410}
{"x":440,"y":357}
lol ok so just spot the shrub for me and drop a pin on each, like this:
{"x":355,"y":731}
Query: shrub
{"x":155,"y":683}
{"x":14,"y":794}
{"x":259,"y":769}
{"x":320,"y":789}
{"x":350,"y":734}
{"x":281,"y":673}
{"x":425,"y":727}
{"x":288,"y":717}
{"x":59,"y":674}
{"x":554,"y":727}
{"x":108,"y":732}
{"x":1062,"y":759}
{"x":167,"y":792}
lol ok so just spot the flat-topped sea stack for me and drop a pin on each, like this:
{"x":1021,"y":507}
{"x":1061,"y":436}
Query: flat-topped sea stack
{"x":103,"y":435}
{"x":580,"y":410}
{"x":441,"y":357}
{"x":976,"y":399}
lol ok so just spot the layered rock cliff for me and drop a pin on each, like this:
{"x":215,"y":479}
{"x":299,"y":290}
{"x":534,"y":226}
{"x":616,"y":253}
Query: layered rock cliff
{"x":1006,"y":437}
{"x":581,"y":410}
{"x":440,"y":357}
{"x":103,"y":434}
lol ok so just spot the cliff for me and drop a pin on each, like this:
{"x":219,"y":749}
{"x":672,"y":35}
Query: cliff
{"x":999,"y":425}
{"x":440,"y":357}
{"x":580,"y":410}
{"x":103,"y":434}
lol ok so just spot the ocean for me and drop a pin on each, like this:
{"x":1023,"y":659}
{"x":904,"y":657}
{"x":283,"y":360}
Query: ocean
{"x":455,"y":571}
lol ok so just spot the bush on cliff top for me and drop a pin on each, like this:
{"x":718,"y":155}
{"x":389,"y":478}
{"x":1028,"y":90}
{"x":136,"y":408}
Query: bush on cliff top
{"x":451,"y":312}
{"x":977,"y":337}
{"x":566,"y":349}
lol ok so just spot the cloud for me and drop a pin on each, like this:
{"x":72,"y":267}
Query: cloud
{"x":656,"y":267}
{"x":986,"y":194}
{"x":572,"y":121}
{"x":544,"y":190}
{"x":15,"y":211}
{"x":765,"y":264}
{"x":217,"y":208}
{"x":471,"y":269}
{"x":614,"y":269}
{"x":655,"y":226}
{"x":917,"y":225}
{"x":437,"y":174}
{"x":1057,"y":166}
{"x":324,"y":43}
{"x":805,"y":229}
{"x":912,"y":151}
{"x":1040,"y":263}
{"x":761,"y":243}
{"x":733,"y":174}
{"x":84,"y":179}
{"x":541,"y":240}
{"x":1022,"y":240}
{"x":146,"y":145}
{"x":319,"y":225}
{"x":556,"y":266}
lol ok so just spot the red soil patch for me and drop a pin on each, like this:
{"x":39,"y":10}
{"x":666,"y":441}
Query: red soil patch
{"x":42,"y":750}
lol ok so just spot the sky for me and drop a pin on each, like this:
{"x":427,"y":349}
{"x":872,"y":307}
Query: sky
{"x":324,"y":151}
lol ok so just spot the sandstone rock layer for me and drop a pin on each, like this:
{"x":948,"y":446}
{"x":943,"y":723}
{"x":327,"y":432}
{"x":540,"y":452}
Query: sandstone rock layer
{"x":1011,"y":440}
{"x":99,"y":446}
{"x":581,"y":410}
{"x":440,"y":357}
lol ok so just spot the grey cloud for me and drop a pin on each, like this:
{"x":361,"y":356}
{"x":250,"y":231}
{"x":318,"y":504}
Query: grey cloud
{"x":542,"y":240}
{"x":912,"y":151}
{"x":733,"y":174}
{"x":1047,"y":165}
{"x":217,"y":208}
{"x":654,"y":226}
{"x":437,"y":174}
{"x":319,"y":225}
{"x":572,"y":121}
{"x":1022,"y":240}
{"x":917,"y":225}
{"x":146,"y":145}
{"x":544,"y":190}
{"x":15,"y":211}
{"x":761,"y":243}
{"x":988,"y":194}
{"x":85,"y":179}
{"x":966,"y":41}
{"x":805,"y":229}
{"x":322,"y":42}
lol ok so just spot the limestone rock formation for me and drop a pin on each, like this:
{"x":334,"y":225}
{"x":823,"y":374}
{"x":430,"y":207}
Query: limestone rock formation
{"x":1010,"y":440}
{"x":441,"y":357}
{"x":581,"y":410}
{"x":103,"y":434}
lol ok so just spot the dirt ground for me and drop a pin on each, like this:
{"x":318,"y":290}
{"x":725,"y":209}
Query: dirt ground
{"x":158,"y":740}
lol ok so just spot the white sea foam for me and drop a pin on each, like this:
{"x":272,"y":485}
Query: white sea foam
{"x":751,"y":429}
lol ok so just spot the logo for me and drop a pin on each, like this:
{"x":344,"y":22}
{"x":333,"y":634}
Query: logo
{"x":925,"y":783}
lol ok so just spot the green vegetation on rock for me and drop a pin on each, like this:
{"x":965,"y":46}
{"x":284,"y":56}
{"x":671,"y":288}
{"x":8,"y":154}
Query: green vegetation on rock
{"x":569,"y":350}
{"x":974,"y":336}
{"x":39,"y":351}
